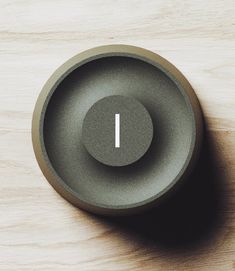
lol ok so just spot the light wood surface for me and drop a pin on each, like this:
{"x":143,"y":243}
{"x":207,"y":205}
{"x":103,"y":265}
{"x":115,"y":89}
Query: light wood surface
{"x":41,"y":231}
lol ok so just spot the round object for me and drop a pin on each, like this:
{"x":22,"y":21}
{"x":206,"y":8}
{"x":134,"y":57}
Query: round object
{"x":117,"y":130}
{"x":160,"y":147}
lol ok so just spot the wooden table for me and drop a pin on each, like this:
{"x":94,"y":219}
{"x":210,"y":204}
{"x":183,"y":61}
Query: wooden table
{"x":39,"y":230}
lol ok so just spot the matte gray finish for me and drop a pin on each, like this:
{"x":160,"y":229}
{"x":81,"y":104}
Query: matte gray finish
{"x":58,"y":124}
{"x":172,"y":119}
{"x":135,"y":130}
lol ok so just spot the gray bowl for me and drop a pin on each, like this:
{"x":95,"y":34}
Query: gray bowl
{"x":58,"y":122}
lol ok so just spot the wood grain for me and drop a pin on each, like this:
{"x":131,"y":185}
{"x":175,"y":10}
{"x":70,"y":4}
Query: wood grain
{"x":41,"y":231}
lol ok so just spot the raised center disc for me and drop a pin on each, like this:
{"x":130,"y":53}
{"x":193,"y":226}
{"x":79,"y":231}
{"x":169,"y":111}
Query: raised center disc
{"x":117,"y":130}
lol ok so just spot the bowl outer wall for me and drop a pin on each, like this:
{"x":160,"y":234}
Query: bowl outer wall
{"x":77,"y":61}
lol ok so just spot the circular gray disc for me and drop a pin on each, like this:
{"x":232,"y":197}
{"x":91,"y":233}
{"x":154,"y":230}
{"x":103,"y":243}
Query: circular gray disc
{"x":74,"y":126}
{"x":117,"y":130}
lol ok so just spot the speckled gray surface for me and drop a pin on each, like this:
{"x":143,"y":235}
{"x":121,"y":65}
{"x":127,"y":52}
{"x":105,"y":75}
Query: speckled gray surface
{"x":135,"y":130}
{"x":172,"y":120}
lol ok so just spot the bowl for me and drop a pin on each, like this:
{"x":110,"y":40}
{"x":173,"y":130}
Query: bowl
{"x":77,"y":121}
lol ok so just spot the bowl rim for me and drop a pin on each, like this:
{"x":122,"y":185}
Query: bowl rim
{"x":63,"y":71}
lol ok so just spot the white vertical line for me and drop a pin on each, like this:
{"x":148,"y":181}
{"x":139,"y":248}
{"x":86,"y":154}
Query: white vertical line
{"x":117,"y":130}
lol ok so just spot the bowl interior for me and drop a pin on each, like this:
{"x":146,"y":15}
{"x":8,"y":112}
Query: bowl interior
{"x":172,"y":119}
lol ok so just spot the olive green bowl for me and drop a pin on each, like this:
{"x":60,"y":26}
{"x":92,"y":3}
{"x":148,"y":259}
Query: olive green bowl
{"x":91,"y":76}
